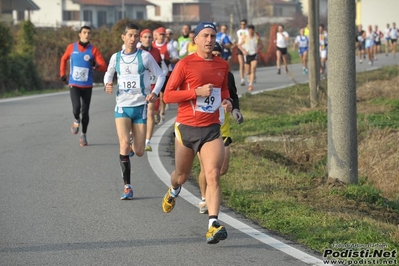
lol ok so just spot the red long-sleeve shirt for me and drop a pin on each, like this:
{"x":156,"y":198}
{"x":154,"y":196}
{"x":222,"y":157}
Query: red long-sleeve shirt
{"x":190,"y":73}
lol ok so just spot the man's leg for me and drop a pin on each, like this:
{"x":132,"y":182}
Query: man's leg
{"x":139,"y":134}
{"x":86,"y":99}
{"x":212,"y":155}
{"x":278,"y":61}
{"x":253,"y":65}
{"x":123,"y":126}
{"x":226,"y":161}
{"x":76,"y":105}
{"x":150,"y":126}
{"x":202,"y":185}
{"x":285,"y":62}
{"x":184,"y":158}
{"x":241,"y":68}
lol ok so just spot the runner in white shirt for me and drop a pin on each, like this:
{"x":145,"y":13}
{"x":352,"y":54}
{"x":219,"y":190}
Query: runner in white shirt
{"x":281,"y":45}
{"x":370,"y":43}
{"x":386,"y":36}
{"x":393,"y":35}
{"x":133,"y":68}
{"x":323,"y":41}
{"x":243,"y":31}
{"x":250,"y":47}
{"x":302,"y":42}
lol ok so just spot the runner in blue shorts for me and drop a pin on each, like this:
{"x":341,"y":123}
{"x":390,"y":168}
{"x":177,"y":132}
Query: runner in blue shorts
{"x":133,"y":68}
{"x":302,"y":42}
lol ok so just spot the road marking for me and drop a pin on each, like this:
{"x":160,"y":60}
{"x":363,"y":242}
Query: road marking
{"x":157,"y":166}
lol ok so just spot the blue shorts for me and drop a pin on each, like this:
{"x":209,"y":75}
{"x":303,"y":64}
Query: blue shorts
{"x":369,"y":44}
{"x":302,"y":50}
{"x":137,"y":114}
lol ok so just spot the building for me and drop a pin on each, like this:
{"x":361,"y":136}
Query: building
{"x":180,"y":11}
{"x":322,"y":7}
{"x":95,"y":13}
{"x":381,"y":12}
{"x":12,"y":11}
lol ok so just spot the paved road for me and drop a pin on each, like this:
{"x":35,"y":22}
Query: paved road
{"x":60,"y":202}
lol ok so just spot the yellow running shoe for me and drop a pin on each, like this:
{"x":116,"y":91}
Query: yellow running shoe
{"x":169,"y":201}
{"x":148,"y":147}
{"x":215,"y":233}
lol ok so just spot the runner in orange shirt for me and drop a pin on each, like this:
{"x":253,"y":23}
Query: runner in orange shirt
{"x":199,"y":85}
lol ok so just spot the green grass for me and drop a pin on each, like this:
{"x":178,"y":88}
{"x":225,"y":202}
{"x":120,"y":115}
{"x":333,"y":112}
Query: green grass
{"x":282,"y":185}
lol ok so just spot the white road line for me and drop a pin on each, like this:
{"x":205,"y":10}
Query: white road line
{"x":157,"y":166}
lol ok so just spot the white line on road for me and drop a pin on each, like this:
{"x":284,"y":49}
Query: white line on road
{"x":157,"y":166}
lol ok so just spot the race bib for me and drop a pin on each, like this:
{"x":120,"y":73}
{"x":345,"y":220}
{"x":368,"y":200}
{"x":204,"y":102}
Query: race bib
{"x":360,"y":38}
{"x":211,"y":103}
{"x":130,"y":84}
{"x":153,"y":79}
{"x":80,"y":73}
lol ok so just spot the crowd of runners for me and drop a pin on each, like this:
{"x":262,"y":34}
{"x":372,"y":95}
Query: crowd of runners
{"x":368,"y":42}
{"x":155,"y":68}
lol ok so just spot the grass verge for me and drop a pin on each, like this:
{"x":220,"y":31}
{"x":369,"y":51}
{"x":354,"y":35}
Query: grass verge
{"x":277,"y":175}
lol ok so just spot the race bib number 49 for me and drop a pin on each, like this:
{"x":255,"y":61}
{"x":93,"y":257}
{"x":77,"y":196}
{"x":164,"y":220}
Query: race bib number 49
{"x":211,"y":103}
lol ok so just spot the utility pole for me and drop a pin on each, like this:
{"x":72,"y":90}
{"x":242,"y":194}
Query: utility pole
{"x":123,"y":9}
{"x":314,"y":58}
{"x":230,"y":26}
{"x":249,"y":12}
{"x":342,"y":125}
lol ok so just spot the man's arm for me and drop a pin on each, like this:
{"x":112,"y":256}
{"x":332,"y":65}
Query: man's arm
{"x":64,"y":59}
{"x":153,"y":66}
{"x":172,"y":92}
{"x":100,"y":62}
{"x":173,"y":54}
{"x":231,"y":83}
{"x":109,"y":75}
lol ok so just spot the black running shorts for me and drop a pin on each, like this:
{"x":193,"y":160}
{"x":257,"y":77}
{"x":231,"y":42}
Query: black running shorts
{"x":282,"y":50}
{"x":194,"y":137}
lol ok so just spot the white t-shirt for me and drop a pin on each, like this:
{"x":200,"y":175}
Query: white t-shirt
{"x":250,"y":45}
{"x":281,"y":42}
{"x":386,"y":32}
{"x":241,"y":33}
{"x":393,"y":34}
{"x":129,"y":95}
{"x":302,"y":41}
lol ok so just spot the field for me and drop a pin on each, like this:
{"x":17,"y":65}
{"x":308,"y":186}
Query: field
{"x":278,"y":174}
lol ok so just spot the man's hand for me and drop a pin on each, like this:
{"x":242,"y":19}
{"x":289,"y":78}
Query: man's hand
{"x":204,"y":91}
{"x":237,"y":116}
{"x":152,"y":97}
{"x":109,"y":88}
{"x":64,"y":79}
{"x":227,"y":106}
{"x":92,"y":63}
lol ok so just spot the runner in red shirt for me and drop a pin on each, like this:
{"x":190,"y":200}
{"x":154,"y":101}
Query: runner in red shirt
{"x":146,"y":39}
{"x":199,"y":85}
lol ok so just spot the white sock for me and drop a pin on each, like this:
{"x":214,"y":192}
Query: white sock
{"x":211,"y":222}
{"x":127,"y":186}
{"x":175,"y":192}
{"x":147,"y":141}
{"x":203,"y":199}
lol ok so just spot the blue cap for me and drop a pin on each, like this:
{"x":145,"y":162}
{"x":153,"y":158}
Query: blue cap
{"x":218,"y":48}
{"x":204,"y":25}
